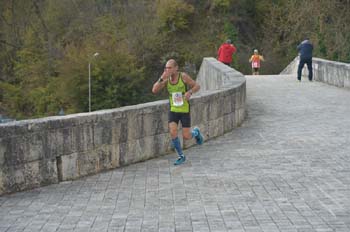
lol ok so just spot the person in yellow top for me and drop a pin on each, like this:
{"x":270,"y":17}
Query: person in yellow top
{"x":180,"y":87}
{"x":255,"y":59}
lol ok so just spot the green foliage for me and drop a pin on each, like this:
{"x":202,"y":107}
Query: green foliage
{"x":221,"y":3}
{"x":230,"y":31}
{"x":116,"y":81}
{"x":43,"y":102}
{"x":11,"y":99}
{"x":174,"y":15}
{"x":322,"y":49}
{"x":31,"y":66}
{"x":46,"y":46}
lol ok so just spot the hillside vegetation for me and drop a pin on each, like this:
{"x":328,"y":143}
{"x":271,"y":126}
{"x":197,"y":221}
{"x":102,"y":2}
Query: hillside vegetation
{"x":46,"y":45}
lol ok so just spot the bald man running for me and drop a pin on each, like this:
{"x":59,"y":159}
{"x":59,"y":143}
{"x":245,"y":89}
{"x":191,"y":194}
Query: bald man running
{"x":180,"y":87}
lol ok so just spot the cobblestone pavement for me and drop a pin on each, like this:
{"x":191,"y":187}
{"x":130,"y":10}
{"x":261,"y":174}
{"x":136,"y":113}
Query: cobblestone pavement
{"x":287,"y":168}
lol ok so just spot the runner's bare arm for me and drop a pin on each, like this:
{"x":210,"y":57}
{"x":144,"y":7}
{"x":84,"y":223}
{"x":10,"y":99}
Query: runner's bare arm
{"x":194,"y":86}
{"x":157,"y":86}
{"x":160,"y":83}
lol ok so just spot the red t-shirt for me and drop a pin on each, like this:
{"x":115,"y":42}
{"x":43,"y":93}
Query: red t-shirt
{"x":225,"y":53}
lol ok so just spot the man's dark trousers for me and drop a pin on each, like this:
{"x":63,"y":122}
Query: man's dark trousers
{"x":302,"y":62}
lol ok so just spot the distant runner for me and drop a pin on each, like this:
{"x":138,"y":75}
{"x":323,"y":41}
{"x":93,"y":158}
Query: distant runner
{"x":255,"y":59}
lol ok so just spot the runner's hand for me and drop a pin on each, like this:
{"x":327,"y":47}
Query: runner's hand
{"x":166,"y":74}
{"x":188,"y":95}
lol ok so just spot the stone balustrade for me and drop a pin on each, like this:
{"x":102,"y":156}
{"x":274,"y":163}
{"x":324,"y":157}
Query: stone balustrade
{"x":330,"y":72}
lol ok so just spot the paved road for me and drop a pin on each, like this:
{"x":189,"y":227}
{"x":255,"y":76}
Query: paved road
{"x":287,"y":168}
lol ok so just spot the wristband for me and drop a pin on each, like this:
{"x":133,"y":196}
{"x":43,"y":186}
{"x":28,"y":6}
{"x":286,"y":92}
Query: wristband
{"x":160,"y":80}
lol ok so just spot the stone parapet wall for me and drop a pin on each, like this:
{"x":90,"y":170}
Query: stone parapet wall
{"x":330,"y":72}
{"x":49,"y":150}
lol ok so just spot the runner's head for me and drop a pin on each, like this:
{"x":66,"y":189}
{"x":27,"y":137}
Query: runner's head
{"x":171,"y":66}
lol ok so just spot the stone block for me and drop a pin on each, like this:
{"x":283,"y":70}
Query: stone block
{"x":121,"y":131}
{"x":48,"y":171}
{"x":14,"y":150}
{"x":68,"y":167}
{"x":239,"y":116}
{"x":22,"y":176}
{"x":215,"y":107}
{"x":347,"y":79}
{"x":3,"y":149}
{"x":147,"y":121}
{"x":32,"y":175}
{"x":134,"y":124}
{"x":2,"y":182}
{"x":108,"y":157}
{"x":151,"y":123}
{"x":116,"y":130}
{"x":199,"y":112}
{"x":82,"y":138}
{"x":240,"y":97}
{"x":135,"y":151}
{"x":64,"y":137}
{"x":147,"y":145}
{"x":144,"y":148}
{"x":36,"y":144}
{"x":88,"y":162}
{"x":57,"y":142}
{"x":162,"y":144}
{"x":17,"y":176}
{"x":229,"y":122}
{"x":228,"y":104}
{"x":216,"y":127}
{"x":6,"y":130}
{"x":102,"y":133}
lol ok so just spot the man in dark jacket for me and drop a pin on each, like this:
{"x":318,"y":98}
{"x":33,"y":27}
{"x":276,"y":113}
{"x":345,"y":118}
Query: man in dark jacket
{"x":305,"y":51}
{"x":225,"y":52}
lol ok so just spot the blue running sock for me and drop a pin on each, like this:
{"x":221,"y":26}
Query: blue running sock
{"x":194,"y":133}
{"x":177,"y":146}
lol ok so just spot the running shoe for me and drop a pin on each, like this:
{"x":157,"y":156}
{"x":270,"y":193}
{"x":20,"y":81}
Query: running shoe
{"x":180,"y":160}
{"x":199,"y":137}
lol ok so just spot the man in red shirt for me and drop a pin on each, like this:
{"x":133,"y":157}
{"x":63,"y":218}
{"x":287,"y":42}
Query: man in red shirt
{"x":225,"y":52}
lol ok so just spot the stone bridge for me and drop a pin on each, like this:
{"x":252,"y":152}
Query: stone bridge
{"x":285,"y":168}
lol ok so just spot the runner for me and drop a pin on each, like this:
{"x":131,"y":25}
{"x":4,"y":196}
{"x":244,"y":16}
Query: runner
{"x":179,"y":96}
{"x":255,"y":60}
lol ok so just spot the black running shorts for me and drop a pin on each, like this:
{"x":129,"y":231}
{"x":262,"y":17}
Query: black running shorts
{"x":184,"y":118}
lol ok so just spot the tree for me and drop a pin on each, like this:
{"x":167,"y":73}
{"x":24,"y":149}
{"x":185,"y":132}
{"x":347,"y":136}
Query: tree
{"x":45,"y":46}
{"x":174,"y":15}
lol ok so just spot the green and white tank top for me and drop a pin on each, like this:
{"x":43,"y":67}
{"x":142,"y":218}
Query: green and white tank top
{"x":177,"y":99}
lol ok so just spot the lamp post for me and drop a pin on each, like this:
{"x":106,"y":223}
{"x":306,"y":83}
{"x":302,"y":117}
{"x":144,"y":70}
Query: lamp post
{"x":96,"y":54}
